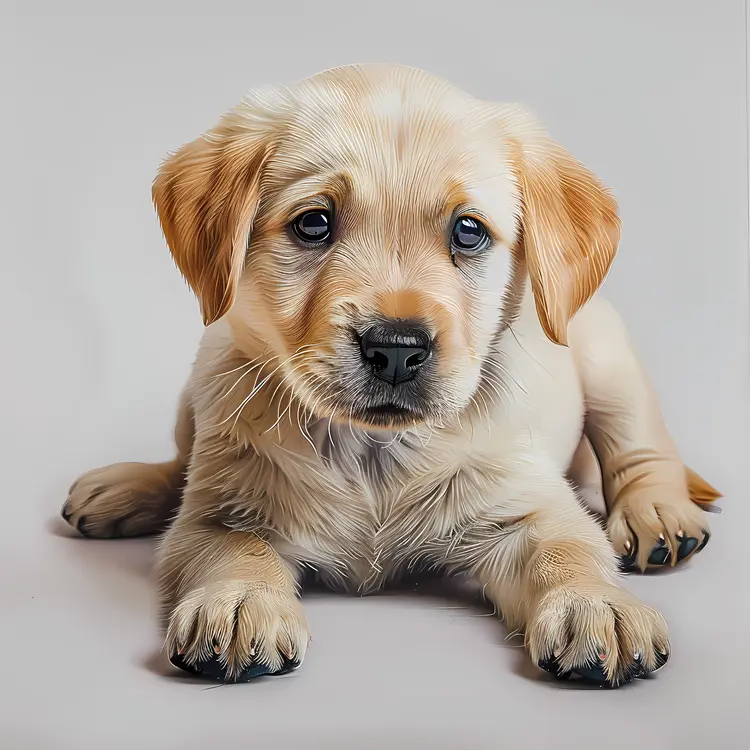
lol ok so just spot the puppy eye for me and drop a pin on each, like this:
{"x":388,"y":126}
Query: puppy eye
{"x":469,"y":236}
{"x":312,"y":227}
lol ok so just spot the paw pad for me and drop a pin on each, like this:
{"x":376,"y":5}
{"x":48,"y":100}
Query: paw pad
{"x":213,"y":668}
{"x":593,"y":672}
{"x":661,"y":554}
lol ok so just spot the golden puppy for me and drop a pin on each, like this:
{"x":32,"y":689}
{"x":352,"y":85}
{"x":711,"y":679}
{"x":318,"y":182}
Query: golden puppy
{"x":404,"y":356}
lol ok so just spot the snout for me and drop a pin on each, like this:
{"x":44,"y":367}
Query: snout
{"x":395,"y":350}
{"x":389,"y":371}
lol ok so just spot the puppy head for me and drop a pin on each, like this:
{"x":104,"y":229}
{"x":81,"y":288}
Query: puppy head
{"x":374,"y":227}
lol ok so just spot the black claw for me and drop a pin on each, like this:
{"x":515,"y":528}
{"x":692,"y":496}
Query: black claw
{"x":706,"y":537}
{"x":213,"y":669}
{"x":551,"y":665}
{"x":687,"y":545}
{"x":628,"y":562}
{"x":660,"y":554}
{"x":661,"y":660}
{"x":288,"y":666}
{"x":593,"y":673}
{"x":635,"y":670}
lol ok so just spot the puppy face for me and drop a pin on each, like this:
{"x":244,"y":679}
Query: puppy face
{"x":374,"y":227}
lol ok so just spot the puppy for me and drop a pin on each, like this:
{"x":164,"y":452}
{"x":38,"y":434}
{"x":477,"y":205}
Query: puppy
{"x":405,"y":358}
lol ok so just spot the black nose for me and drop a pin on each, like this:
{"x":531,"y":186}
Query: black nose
{"x":395,"y":349}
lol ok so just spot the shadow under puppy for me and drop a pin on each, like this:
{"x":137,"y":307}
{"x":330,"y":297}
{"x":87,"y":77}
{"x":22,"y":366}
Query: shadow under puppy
{"x":404,"y":360}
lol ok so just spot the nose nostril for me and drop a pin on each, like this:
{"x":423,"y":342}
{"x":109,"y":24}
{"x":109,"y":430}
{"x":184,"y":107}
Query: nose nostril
{"x":377,"y":359}
{"x":416,"y":359}
{"x":395,"y":352}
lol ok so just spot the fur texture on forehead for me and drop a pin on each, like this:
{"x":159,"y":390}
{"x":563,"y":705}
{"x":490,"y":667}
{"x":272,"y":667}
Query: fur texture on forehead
{"x":395,"y":155}
{"x":387,"y":129}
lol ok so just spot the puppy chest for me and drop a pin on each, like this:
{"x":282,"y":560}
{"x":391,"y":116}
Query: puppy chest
{"x":360,"y":535}
{"x":336,"y":531}
{"x":358,"y":516}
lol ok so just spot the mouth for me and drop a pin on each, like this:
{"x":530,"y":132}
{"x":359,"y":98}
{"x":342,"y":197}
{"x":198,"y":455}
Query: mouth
{"x":390,"y":415}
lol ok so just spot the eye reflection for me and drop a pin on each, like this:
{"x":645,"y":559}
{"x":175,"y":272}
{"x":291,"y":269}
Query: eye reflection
{"x":469,"y":236}
{"x":312,"y":227}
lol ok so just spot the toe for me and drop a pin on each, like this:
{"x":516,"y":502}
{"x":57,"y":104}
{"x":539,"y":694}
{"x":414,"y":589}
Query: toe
{"x":657,"y":534}
{"x":636,"y":669}
{"x":706,"y":537}
{"x":81,"y":526}
{"x":660,"y":553}
{"x":552,"y":665}
{"x":687,"y":545}
{"x":592,"y":673}
{"x":661,"y":659}
{"x":629,"y":561}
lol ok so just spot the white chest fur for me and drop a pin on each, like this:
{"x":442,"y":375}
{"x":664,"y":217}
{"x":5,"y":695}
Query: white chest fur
{"x":361,"y":506}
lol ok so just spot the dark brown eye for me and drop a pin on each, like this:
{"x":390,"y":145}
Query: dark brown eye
{"x":469,"y":236}
{"x":312,"y":227}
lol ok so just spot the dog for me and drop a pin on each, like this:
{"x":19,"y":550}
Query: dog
{"x":406,"y":366}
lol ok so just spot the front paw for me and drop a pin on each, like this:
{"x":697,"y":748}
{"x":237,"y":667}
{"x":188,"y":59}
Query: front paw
{"x":652,"y":530}
{"x":237,"y":630}
{"x":597,"y":632}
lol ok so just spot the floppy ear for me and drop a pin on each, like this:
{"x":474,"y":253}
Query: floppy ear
{"x":569,"y":232}
{"x":206,"y":196}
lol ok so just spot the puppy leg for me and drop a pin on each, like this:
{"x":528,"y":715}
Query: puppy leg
{"x":131,"y":499}
{"x":229,"y":602}
{"x":548,"y":566}
{"x":652,"y":499}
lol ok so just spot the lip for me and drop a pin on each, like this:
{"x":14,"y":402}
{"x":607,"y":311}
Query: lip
{"x":388,"y":409}
{"x":382,"y":415}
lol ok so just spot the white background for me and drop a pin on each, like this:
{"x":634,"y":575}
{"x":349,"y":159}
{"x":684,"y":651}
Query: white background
{"x":99,"y":332}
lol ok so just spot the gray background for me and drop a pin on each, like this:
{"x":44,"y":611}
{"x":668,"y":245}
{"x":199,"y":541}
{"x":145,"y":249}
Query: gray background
{"x":99,"y":332}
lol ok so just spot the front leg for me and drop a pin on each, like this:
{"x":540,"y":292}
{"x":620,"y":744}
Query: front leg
{"x":654,"y":518}
{"x":549,"y":568}
{"x":229,"y":601}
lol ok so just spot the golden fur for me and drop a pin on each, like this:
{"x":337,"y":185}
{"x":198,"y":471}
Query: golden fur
{"x":280,"y":468}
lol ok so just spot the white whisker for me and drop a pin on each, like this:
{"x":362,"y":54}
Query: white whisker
{"x":256,"y":388}
{"x":229,"y":372}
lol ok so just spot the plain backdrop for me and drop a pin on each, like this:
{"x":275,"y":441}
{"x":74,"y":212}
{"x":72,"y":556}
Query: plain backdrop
{"x":99,"y":331}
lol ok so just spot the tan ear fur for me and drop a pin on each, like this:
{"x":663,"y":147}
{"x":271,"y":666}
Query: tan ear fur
{"x":569,"y":232}
{"x":206,"y":196}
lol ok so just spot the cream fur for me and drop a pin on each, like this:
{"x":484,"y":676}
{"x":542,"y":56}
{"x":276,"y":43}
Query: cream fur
{"x":274,"y":475}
